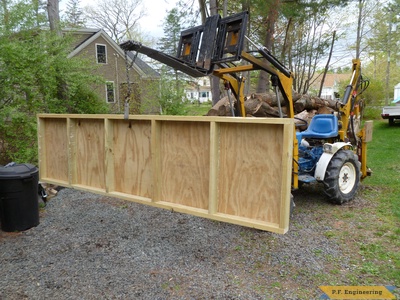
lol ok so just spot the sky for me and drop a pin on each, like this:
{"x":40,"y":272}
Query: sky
{"x":155,"y":10}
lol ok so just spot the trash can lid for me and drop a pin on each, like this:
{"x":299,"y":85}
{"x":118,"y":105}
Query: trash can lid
{"x":15,"y":171}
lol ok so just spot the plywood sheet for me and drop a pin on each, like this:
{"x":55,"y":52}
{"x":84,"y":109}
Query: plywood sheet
{"x":53,"y":141}
{"x":89,"y":153}
{"x":132,"y":157}
{"x":185,"y":160}
{"x":251,"y":170}
{"x":235,"y":170}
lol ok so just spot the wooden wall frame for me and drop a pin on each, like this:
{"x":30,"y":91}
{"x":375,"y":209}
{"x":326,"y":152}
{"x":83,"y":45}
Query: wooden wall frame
{"x":235,"y":170}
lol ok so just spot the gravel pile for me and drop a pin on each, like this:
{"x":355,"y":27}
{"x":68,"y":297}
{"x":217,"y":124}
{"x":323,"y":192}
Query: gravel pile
{"x":93,"y":247}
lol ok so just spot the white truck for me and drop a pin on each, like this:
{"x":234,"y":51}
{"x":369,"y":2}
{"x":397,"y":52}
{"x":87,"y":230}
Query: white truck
{"x":392,"y":113}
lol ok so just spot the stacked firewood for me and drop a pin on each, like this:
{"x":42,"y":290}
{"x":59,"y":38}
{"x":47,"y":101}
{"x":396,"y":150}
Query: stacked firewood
{"x":266,"y":105}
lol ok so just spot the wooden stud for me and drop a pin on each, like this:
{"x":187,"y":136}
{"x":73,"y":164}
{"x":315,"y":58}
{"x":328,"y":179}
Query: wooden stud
{"x":72,"y":162}
{"x":214,"y":162}
{"x":286,"y":165}
{"x":156,"y":159}
{"x":109,"y":155}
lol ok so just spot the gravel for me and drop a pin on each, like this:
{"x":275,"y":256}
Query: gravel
{"x":89,"y":247}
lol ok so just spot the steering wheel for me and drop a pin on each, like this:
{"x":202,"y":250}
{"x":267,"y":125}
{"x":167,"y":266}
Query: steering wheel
{"x":301,"y":124}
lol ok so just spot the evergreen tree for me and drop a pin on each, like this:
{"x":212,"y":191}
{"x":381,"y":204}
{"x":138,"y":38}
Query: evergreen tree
{"x":172,"y":93}
{"x":74,"y":16}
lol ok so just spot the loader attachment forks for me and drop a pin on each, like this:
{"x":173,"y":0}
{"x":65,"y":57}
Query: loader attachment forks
{"x":189,"y":43}
{"x":213,"y":49}
{"x":202,"y":47}
{"x":218,"y":41}
{"x":230,"y":39}
{"x":196,"y":45}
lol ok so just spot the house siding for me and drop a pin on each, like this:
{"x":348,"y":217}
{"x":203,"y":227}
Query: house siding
{"x":114,"y":70}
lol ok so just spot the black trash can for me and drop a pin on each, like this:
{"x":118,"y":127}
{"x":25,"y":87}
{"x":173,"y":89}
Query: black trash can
{"x":19,"y":207}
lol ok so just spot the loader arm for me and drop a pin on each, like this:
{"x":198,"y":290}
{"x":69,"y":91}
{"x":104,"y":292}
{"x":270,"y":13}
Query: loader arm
{"x":219,"y":43}
{"x":349,"y":103}
{"x":351,"y":112}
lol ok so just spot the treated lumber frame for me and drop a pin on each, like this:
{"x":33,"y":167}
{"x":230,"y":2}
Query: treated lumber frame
{"x":235,"y":170}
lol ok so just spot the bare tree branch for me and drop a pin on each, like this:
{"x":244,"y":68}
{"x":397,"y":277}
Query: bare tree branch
{"x":117,"y":17}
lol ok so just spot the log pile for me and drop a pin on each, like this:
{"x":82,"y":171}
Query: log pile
{"x":266,"y":105}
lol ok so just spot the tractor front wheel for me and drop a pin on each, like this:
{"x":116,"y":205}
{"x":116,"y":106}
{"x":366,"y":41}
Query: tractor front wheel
{"x":342,"y":177}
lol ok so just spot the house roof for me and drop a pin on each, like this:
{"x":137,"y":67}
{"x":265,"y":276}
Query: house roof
{"x":330,"y":79}
{"x":92,"y":34}
{"x":149,"y":71}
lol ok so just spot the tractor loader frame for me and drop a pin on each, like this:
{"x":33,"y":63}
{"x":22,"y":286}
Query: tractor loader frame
{"x":216,"y":47}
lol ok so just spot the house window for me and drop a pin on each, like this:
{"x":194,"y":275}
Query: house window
{"x":101,"y":54}
{"x":110,"y":92}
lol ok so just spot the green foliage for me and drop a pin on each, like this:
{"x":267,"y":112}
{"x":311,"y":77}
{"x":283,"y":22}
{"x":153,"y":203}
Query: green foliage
{"x":38,"y":76}
{"x":172,"y":98}
{"x":85,"y":101}
{"x":372,"y":113}
{"x":374,"y":94}
{"x":35,"y":77}
{"x":178,"y":18}
{"x":17,"y":16}
{"x":17,"y":136}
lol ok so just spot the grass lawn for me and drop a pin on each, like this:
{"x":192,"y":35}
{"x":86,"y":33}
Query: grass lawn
{"x":367,"y":229}
{"x":195,"y":109}
{"x":382,"y":220}
{"x":384,"y":160}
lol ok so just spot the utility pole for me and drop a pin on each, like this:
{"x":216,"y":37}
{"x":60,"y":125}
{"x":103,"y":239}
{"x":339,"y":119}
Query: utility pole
{"x":358,"y":41}
{"x":388,"y":59}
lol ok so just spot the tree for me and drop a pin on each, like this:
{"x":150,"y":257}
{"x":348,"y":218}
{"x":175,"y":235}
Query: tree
{"x":382,"y":46}
{"x":33,"y":62}
{"x":305,"y":30}
{"x":74,"y":15}
{"x":53,"y":11}
{"x":172,"y":94}
{"x":17,"y":16}
{"x":116,"y":17}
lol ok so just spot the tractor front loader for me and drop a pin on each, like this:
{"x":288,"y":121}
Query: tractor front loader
{"x":332,"y":150}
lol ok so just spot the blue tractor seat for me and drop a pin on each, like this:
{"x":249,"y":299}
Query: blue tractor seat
{"x":321,"y":127}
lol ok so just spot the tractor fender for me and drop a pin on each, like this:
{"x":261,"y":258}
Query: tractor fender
{"x":324,"y":160}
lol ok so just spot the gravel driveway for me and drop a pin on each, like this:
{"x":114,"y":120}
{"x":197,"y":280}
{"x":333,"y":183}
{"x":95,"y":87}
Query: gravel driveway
{"x":93,"y":247}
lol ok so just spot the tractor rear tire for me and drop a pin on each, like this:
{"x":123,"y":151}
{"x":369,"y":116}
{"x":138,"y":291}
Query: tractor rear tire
{"x":342,"y":177}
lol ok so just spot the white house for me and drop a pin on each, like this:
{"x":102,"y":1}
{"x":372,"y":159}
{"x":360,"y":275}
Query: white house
{"x":199,"y":90}
{"x":332,"y":85}
{"x":396,"y":94}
